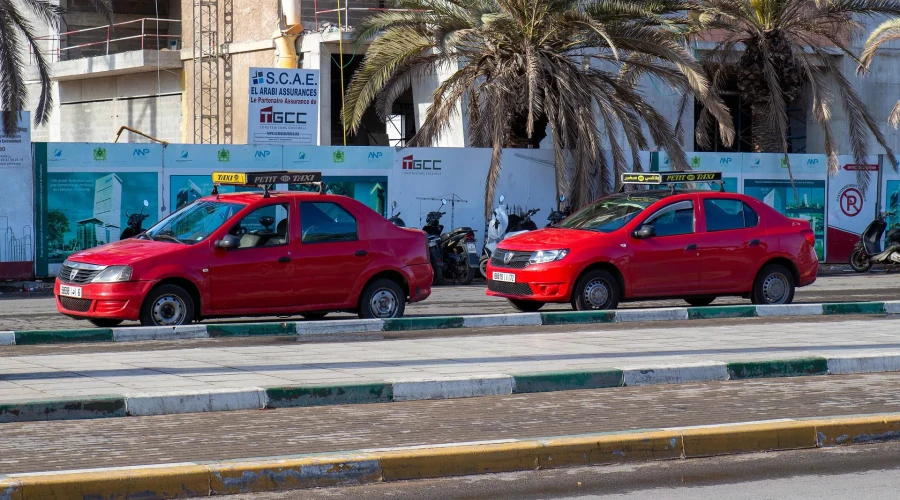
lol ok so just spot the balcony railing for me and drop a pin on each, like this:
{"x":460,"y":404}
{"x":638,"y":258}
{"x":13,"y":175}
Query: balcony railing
{"x":140,"y":34}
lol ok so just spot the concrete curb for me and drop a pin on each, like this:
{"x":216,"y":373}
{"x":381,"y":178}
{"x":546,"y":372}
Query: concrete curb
{"x":203,"y":479}
{"x":312,"y":328}
{"x":450,"y":387}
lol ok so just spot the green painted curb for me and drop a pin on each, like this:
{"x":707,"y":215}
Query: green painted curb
{"x":567,"y":381}
{"x":251,"y":329}
{"x":95,"y":407}
{"x":288,"y":397}
{"x":782,"y":368}
{"x":854,"y":308}
{"x":35,"y":337}
{"x":716,"y":312}
{"x":436,"y":323}
{"x":574,"y":318}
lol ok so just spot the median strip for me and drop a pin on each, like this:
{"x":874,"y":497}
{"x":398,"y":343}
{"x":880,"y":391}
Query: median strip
{"x":312,"y":328}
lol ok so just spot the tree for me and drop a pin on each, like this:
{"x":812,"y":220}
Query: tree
{"x":777,"y":49}
{"x":523,"y":65}
{"x":57,"y":227}
{"x":888,"y":31}
{"x":16,"y":28}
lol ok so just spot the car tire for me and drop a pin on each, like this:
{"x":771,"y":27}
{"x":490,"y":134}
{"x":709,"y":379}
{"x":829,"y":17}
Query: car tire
{"x":859,"y":261}
{"x":105,"y":323}
{"x":773,"y":285}
{"x":525,"y":306}
{"x":313,"y":316}
{"x":596,"y":290}
{"x":167,"y":305}
{"x":700,"y":301}
{"x":382,"y":299}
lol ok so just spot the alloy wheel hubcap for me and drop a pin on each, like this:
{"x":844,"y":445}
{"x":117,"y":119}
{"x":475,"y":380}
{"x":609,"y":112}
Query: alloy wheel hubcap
{"x":384,"y":304}
{"x":775,"y":288}
{"x":169,"y":310}
{"x":596,"y":294}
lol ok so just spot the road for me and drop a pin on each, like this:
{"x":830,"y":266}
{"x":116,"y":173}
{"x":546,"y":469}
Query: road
{"x":28,"y":313}
{"x":870,"y":472}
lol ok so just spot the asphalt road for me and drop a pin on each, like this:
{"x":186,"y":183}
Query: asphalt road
{"x":858,"y":472}
{"x":23,"y":312}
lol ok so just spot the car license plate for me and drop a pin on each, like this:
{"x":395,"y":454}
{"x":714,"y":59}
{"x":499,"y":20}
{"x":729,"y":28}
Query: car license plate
{"x":507,"y":277}
{"x":70,"y":291}
{"x":470,"y":247}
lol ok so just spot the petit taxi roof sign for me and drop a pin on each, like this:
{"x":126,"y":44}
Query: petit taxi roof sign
{"x":265,"y":178}
{"x":656,"y":178}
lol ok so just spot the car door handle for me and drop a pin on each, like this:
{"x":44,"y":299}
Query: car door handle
{"x":690,"y":247}
{"x":361,"y":253}
{"x":753,"y":243}
{"x":284,"y":260}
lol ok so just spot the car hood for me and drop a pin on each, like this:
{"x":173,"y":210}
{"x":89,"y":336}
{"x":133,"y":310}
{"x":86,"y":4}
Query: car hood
{"x":126,"y":252}
{"x":552,"y":238}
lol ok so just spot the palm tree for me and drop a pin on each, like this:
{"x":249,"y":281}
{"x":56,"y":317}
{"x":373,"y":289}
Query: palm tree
{"x":17,"y":35}
{"x":888,"y":31}
{"x":523,"y":64}
{"x":777,"y":48}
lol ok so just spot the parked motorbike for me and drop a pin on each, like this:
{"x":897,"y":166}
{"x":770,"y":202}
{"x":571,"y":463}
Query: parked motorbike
{"x":501,"y":226}
{"x":135,"y":223}
{"x":458,"y":258}
{"x":395,"y":218}
{"x":868,"y":250}
{"x":556,"y":216}
{"x":433,"y":229}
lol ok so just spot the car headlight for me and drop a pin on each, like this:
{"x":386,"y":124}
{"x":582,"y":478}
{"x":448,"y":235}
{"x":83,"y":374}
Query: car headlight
{"x":113,"y":274}
{"x":544,"y":256}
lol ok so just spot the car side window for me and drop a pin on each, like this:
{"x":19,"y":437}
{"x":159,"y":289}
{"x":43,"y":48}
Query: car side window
{"x":264,"y":227}
{"x":674,"y":219}
{"x":722,"y":215}
{"x":325,"y":222}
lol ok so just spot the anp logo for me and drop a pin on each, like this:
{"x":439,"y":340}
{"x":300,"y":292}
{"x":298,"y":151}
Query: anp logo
{"x":375,"y":155}
{"x":262,"y":154}
{"x":337,"y":156}
{"x":224,"y":155}
{"x":100,"y":154}
{"x":141,"y":152}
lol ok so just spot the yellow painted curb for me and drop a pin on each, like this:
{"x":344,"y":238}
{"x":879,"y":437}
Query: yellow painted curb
{"x":10,"y":489}
{"x":609,"y":449}
{"x":459,"y":460}
{"x":856,"y":430}
{"x":747,"y":438}
{"x":229,"y":478}
{"x":179,"y":481}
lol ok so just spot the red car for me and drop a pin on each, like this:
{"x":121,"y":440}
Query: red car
{"x":251,"y":254}
{"x":657,"y":244}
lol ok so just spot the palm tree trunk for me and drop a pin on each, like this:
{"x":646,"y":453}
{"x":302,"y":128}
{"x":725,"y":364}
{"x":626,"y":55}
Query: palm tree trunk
{"x":766,"y":139}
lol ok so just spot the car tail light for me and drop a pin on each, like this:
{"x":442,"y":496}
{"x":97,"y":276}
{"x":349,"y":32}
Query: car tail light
{"x":809,"y":235}
{"x":470,"y":237}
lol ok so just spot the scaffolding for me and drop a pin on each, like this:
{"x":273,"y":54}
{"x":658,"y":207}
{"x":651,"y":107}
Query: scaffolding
{"x":206,"y":71}
{"x":227,"y":89}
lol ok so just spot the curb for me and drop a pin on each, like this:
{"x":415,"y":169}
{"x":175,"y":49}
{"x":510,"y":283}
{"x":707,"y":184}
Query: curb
{"x":200,"y":479}
{"x":314,"y":328}
{"x":258,"y":398}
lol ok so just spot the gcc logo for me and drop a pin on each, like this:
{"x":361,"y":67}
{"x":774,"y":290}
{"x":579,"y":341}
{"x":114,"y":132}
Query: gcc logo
{"x":409,"y":163}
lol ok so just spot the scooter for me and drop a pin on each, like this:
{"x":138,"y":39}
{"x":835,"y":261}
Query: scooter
{"x":135,"y":223}
{"x":495,"y":231}
{"x":458,"y":254}
{"x":433,"y":228}
{"x":868,"y":250}
{"x":556,"y":216}
{"x":395,"y":218}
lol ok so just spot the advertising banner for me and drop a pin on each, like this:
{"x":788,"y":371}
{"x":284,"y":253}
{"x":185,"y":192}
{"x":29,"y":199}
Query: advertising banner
{"x":850,"y":207}
{"x":16,"y":209}
{"x":283,"y":106}
{"x":890,"y":196}
{"x":766,"y":178}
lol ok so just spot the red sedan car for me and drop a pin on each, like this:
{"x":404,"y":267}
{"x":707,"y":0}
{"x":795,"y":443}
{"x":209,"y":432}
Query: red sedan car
{"x":251,"y":254}
{"x":657,"y":244}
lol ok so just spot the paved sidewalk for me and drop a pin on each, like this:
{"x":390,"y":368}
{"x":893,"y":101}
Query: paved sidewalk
{"x":588,"y":347}
{"x":167,"y":439}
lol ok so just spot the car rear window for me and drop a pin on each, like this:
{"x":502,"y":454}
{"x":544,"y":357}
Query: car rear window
{"x":724,"y":214}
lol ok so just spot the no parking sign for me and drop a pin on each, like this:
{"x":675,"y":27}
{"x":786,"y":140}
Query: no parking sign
{"x":851,"y":208}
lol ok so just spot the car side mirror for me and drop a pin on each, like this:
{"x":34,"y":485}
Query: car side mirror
{"x":646,"y":231}
{"x":229,"y":242}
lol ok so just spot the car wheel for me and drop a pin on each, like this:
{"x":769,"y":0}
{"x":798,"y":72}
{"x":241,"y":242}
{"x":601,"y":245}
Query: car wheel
{"x":859,"y":261}
{"x":596,"y":290}
{"x":525,"y":306}
{"x":773,"y":285}
{"x":382,"y":299}
{"x":167,"y":305}
{"x":700,"y":301}
{"x":482,"y":265}
{"x":105,"y":323}
{"x":313,"y":316}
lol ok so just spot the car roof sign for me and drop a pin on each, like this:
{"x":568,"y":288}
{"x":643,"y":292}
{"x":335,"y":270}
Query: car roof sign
{"x":657,"y":178}
{"x":265,"y":179}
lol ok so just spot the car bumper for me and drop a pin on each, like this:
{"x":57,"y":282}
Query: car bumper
{"x":419,"y":278}
{"x":542,"y":283}
{"x":104,"y":300}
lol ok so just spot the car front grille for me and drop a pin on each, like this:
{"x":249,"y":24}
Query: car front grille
{"x":73,"y":304}
{"x":519,"y":260}
{"x":81,"y":276}
{"x":509,"y":288}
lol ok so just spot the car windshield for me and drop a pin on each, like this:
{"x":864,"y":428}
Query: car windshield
{"x":193,"y":223}
{"x":610,"y":213}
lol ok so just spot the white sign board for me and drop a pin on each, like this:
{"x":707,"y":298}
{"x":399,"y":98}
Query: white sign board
{"x":284,"y":106}
{"x":17,"y":208}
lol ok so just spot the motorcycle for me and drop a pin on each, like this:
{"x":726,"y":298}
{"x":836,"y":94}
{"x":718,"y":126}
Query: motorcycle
{"x":556,"y":216}
{"x":135,"y":223}
{"x":868,"y":250}
{"x":503,"y":225}
{"x":433,"y":229}
{"x":395,"y":218}
{"x":458,"y":258}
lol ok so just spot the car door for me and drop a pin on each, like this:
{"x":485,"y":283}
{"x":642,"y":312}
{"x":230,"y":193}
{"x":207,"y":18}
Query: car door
{"x":333,"y":252}
{"x":259,"y":273}
{"x":667,"y":264}
{"x":733,"y":244}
